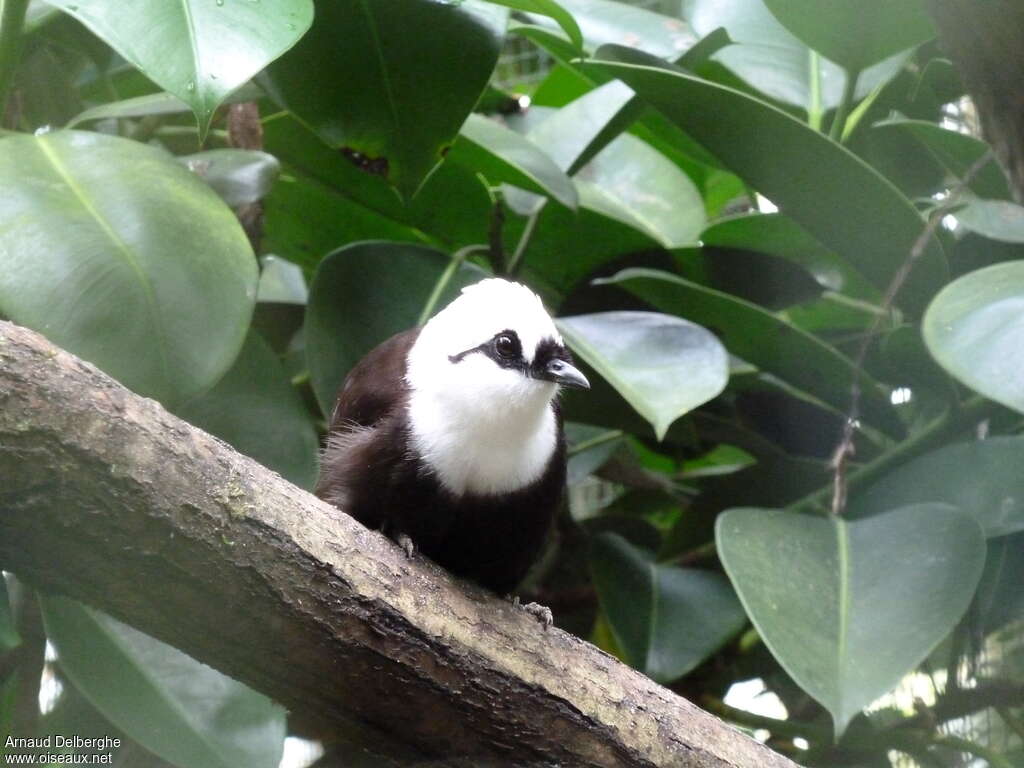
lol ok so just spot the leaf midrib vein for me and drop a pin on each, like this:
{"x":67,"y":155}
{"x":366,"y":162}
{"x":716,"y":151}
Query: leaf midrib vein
{"x":120,"y":246}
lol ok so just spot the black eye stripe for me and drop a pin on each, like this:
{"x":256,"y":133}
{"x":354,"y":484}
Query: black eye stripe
{"x":512,"y":359}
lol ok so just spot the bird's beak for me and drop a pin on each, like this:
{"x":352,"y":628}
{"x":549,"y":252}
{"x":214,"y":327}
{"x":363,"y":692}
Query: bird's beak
{"x":565,"y":374}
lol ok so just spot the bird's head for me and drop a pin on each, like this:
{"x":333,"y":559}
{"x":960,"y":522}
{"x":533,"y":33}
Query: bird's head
{"x":493,"y":349}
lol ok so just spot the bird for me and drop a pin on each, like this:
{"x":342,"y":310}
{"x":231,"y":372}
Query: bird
{"x":448,"y":437}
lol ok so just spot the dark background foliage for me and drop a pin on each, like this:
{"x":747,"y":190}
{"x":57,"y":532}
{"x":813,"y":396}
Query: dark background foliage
{"x":771,"y":232}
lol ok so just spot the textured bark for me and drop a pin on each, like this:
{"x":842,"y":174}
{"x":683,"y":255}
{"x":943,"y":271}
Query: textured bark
{"x":985,"y":39}
{"x":108,"y":498}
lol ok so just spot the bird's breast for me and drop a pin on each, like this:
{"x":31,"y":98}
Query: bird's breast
{"x":483,"y":456}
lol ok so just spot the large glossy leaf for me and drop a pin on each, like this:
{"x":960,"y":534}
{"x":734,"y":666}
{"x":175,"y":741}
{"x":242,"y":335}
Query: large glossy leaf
{"x":779,"y":236}
{"x":850,"y":606}
{"x":662,"y":365}
{"x":826,"y":189}
{"x":975,"y":330}
{"x":665,"y":619}
{"x":412,"y":71}
{"x":995,"y":219}
{"x":984,"y":479}
{"x":589,"y":448}
{"x":855,"y":35}
{"x":772,"y":60}
{"x":174,"y":706}
{"x":765,"y":340}
{"x":954,"y":151}
{"x":200,"y":51}
{"x":503,"y":155}
{"x":609,"y":21}
{"x":8,"y":634}
{"x":122,"y":256}
{"x":255,"y":408}
{"x":452,"y":210}
{"x":552,"y":10}
{"x":239,"y":176}
{"x":629,"y":180}
{"x":363,"y":294}
{"x":281,"y":282}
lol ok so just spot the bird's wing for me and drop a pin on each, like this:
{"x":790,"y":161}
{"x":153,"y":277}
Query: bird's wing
{"x":375,"y":386}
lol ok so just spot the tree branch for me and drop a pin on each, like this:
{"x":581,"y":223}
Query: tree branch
{"x":106,"y":497}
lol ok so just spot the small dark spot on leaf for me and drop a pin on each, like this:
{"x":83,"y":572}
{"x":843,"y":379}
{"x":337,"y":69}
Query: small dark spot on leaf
{"x":377,"y":166}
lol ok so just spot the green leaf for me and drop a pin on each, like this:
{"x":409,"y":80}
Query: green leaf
{"x":118,"y":254}
{"x":154,"y":104}
{"x":413,"y":69}
{"x":199,"y":51}
{"x":663,"y":366}
{"x":768,"y":57}
{"x":628,"y":180}
{"x":975,"y":330}
{"x":589,"y":448}
{"x":779,"y":236}
{"x":364,"y":293}
{"x":255,"y":408}
{"x":609,"y":21}
{"x":665,"y":619}
{"x":855,"y":35}
{"x":995,"y":219}
{"x":647,"y":190}
{"x":983,"y":478}
{"x":8,"y":634}
{"x":831,"y":193}
{"x":238,"y":176}
{"x":282,"y":282}
{"x":954,"y":151}
{"x":503,"y":155}
{"x":171,"y":704}
{"x":848,"y":607}
{"x":765,"y":340}
{"x":552,"y":10}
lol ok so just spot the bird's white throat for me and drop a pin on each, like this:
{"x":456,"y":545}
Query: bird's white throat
{"x":483,"y":448}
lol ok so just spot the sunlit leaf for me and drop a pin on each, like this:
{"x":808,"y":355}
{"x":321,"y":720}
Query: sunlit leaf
{"x":822,"y":592}
{"x":855,"y":35}
{"x":831,"y":193}
{"x":503,"y":155}
{"x":199,"y":51}
{"x":771,"y":59}
{"x":764,"y":339}
{"x":975,"y":330}
{"x":984,"y":478}
{"x":239,"y":176}
{"x":107,"y":239}
{"x":995,"y":219}
{"x":662,"y":365}
{"x":666,"y":620}
{"x":183,"y":711}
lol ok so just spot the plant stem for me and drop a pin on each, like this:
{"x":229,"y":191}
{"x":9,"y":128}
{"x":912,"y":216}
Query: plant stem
{"x":446,"y":277}
{"x":586,"y":445}
{"x":524,"y":241}
{"x":946,"y":425}
{"x":12,"y":19}
{"x":814,"y":110}
{"x":835,"y":131}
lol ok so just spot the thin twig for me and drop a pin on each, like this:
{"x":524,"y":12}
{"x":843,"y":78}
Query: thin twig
{"x":845,"y":449}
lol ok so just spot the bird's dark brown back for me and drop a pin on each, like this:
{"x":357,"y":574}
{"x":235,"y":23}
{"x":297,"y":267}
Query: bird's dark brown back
{"x":362,"y":401}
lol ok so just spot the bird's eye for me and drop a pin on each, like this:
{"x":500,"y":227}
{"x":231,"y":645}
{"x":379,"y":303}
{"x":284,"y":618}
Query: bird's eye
{"x":506,"y":346}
